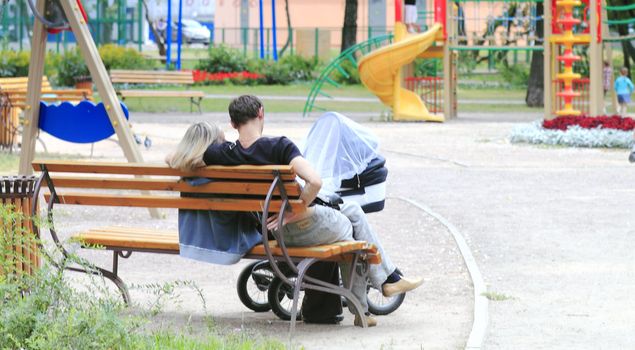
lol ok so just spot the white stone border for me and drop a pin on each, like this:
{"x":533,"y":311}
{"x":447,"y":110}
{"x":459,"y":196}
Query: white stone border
{"x":481,"y":312}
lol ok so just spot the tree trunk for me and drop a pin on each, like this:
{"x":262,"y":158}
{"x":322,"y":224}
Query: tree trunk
{"x":289,"y":29}
{"x":158,"y":39}
{"x":622,"y":29}
{"x":349,"y":31}
{"x":535,"y":86}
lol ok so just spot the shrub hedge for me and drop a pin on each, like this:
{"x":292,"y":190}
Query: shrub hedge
{"x":288,"y":69}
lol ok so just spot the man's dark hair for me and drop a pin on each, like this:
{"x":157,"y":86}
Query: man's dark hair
{"x":244,"y":108}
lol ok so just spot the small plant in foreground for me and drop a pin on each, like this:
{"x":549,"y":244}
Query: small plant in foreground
{"x":493,"y":296}
{"x":45,"y":310}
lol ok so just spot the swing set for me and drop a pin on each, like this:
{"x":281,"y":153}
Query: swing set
{"x":85,"y":122}
{"x":81,"y":123}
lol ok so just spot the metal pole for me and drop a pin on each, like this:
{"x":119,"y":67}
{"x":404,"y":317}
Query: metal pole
{"x":140,"y":24}
{"x":18,"y":24}
{"x":5,"y":28}
{"x":262,"y":34}
{"x":316,"y":41}
{"x":273,"y":26}
{"x":179,"y":36}
{"x":100,"y":23}
{"x":168,"y":35}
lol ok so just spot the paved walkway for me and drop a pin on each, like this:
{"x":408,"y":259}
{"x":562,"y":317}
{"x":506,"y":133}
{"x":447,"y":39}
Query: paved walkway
{"x":550,"y":228}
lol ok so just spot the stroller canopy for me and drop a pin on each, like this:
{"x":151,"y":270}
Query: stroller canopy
{"x":338,"y":148}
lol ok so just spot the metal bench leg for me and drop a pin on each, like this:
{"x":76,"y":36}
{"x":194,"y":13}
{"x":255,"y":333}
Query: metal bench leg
{"x":197,"y":103}
{"x":303,"y":266}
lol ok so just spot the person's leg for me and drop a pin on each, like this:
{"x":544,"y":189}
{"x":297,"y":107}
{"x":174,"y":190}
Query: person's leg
{"x":326,"y":226}
{"x":362,"y":231}
{"x":622,"y":110}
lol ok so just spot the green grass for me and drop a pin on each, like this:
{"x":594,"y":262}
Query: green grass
{"x":180,"y":342}
{"x":491,"y":94}
{"x":493,"y":296}
{"x":9,"y":163}
{"x":163,"y":105}
{"x":301,"y":90}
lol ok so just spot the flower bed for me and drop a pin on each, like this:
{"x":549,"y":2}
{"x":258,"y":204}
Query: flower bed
{"x":574,"y":135}
{"x":605,"y":122}
{"x":202,"y":76}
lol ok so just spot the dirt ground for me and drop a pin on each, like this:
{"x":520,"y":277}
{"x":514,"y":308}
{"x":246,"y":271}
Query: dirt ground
{"x":548,"y":226}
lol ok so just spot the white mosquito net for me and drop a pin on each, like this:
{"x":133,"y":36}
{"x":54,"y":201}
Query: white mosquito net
{"x":338,"y":148}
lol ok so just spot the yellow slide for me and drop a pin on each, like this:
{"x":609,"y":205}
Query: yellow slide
{"x":380,"y":71}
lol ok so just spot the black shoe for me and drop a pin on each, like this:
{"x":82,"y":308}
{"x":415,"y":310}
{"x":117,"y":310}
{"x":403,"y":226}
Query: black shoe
{"x":631,"y":157}
{"x":330,"y":320}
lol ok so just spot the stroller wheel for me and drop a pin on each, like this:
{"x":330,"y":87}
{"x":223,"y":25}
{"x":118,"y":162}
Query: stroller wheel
{"x":253,"y":284}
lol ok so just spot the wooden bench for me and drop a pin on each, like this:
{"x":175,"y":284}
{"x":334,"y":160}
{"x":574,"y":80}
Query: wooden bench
{"x":263,"y":189}
{"x":157,"y":77}
{"x":13,"y":100}
{"x":14,"y":89}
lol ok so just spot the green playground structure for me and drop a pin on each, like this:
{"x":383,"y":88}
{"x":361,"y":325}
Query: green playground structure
{"x":352,"y":55}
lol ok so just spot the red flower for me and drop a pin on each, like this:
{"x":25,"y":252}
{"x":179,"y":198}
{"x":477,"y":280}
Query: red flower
{"x":605,"y":122}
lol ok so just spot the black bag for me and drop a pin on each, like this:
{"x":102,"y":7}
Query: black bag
{"x":321,"y":307}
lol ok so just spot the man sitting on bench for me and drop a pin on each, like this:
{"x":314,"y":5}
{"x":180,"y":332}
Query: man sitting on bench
{"x":318,"y":224}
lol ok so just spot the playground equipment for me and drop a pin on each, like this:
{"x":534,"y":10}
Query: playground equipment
{"x":380,"y":71}
{"x":70,"y":15}
{"x":571,"y":23}
{"x":496,"y":27}
{"x":568,"y":39}
{"x":337,"y":66}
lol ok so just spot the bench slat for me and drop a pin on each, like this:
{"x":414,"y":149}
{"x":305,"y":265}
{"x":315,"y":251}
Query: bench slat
{"x":143,"y":238}
{"x":158,"y":72}
{"x":149,"y":80}
{"x":221,"y":187}
{"x":160,"y":93}
{"x":224,"y":204}
{"x":242,"y":172}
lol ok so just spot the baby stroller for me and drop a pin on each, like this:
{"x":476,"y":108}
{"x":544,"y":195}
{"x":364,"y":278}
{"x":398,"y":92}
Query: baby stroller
{"x":346,"y":156}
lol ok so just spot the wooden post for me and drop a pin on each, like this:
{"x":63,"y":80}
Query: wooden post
{"x":608,"y":47}
{"x":548,"y":61}
{"x":596,"y":93}
{"x":33,"y":93}
{"x":104,"y":87}
{"x":448,"y":69}
{"x":99,"y":75}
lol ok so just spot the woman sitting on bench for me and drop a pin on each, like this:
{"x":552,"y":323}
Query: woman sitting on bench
{"x":218,"y":237}
{"x":318,"y":224}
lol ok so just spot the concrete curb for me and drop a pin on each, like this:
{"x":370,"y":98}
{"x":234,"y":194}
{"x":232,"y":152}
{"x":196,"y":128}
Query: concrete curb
{"x":481,"y":313}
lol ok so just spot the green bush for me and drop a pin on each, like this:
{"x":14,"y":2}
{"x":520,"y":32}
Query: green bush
{"x":428,"y":68}
{"x":117,"y":57}
{"x":351,"y":70}
{"x":71,"y":68}
{"x":300,"y":68}
{"x":271,"y":73}
{"x":14,"y":64}
{"x":222,"y":59}
{"x":517,"y":75}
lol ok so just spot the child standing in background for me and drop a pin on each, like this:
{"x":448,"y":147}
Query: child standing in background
{"x":623,"y":88}
{"x":410,"y":15}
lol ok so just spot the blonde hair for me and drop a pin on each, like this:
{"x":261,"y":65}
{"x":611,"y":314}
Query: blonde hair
{"x":189,"y":153}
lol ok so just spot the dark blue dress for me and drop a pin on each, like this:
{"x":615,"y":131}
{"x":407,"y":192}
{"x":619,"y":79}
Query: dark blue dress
{"x":219,"y":237}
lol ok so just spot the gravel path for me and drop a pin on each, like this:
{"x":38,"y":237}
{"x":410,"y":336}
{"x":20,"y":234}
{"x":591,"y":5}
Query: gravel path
{"x":549,"y":228}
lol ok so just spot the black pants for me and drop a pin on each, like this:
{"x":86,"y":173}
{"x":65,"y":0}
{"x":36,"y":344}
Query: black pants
{"x":320,"y":306}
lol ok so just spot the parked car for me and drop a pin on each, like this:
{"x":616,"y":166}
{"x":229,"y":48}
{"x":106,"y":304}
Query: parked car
{"x":193,"y":32}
